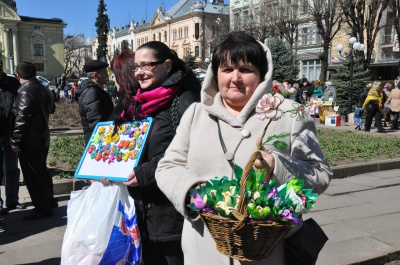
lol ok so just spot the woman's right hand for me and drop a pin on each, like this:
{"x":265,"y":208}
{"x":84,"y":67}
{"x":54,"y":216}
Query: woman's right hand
{"x":132,"y":180}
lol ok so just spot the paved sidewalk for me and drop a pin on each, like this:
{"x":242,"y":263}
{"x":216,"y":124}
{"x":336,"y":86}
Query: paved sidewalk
{"x":360,"y":215}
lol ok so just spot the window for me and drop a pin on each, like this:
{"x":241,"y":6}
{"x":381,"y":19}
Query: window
{"x":311,"y":69}
{"x":318,"y":38}
{"x":388,"y":28}
{"x":165,"y":36}
{"x":197,"y":30}
{"x":304,"y":6}
{"x":304,"y":36}
{"x":37,"y":27}
{"x":39,"y":67}
{"x":159,"y":36}
{"x":154,"y":36}
{"x":196,"y":51}
{"x":37,"y":49}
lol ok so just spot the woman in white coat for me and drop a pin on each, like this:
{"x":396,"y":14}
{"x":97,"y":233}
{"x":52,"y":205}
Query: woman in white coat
{"x":240,"y":73}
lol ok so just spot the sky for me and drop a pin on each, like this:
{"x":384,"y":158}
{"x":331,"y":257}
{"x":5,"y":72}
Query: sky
{"x":80,"y":15}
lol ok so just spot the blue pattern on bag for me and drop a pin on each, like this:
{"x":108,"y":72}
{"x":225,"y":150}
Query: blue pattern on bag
{"x":124,"y":244}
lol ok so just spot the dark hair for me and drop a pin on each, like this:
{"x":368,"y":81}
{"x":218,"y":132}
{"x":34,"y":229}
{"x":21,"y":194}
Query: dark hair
{"x":26,"y":70}
{"x":240,"y":47}
{"x":162,"y":52}
{"x":122,"y":66}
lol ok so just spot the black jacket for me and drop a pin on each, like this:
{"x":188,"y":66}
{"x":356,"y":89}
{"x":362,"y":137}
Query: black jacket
{"x":8,"y":92}
{"x":304,"y":91}
{"x":95,"y":105}
{"x":158,"y":219}
{"x":31,"y":112}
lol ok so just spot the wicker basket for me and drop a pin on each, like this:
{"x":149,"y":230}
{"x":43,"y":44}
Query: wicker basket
{"x":245,"y":239}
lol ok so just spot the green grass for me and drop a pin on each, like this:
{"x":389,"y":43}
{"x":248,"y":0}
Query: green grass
{"x":340,"y":148}
{"x":347,"y":147}
{"x":65,"y":153}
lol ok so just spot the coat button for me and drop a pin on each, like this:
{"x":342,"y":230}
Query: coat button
{"x":245,"y":133}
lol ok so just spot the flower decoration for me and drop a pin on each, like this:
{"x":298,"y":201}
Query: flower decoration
{"x":284,"y":203}
{"x":387,"y":85}
{"x":108,"y":147}
{"x":282,"y":88}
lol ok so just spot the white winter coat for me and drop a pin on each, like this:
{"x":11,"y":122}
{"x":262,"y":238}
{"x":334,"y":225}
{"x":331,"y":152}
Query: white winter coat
{"x":195,"y":155}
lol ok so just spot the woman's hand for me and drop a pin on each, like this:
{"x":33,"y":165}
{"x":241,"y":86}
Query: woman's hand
{"x":132,"y":180}
{"x":267,"y":162}
{"x":106,"y":182}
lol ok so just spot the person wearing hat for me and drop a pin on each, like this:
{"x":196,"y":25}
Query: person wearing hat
{"x":95,"y":104}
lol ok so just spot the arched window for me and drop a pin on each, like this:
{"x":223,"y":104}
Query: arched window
{"x":159,"y":36}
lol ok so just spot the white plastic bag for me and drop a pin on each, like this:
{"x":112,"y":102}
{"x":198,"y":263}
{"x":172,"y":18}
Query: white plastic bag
{"x":102,"y":227}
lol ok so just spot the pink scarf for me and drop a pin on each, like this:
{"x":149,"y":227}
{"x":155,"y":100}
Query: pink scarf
{"x":145,"y":103}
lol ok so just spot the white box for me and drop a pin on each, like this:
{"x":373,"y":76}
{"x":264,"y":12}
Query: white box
{"x":332,"y":120}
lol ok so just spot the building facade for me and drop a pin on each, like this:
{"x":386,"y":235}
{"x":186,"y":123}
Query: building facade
{"x":37,"y":40}
{"x":187,"y":28}
{"x":307,"y":42}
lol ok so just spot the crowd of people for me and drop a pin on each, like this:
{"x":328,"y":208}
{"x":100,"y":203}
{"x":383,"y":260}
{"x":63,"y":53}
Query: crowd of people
{"x":200,"y":131}
{"x":379,"y":103}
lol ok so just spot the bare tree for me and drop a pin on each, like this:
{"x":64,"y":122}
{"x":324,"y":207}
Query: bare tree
{"x":259,"y":22}
{"x":364,"y":17}
{"x":74,"y":55}
{"x":286,"y":20}
{"x":327,"y":16}
{"x":395,"y":6}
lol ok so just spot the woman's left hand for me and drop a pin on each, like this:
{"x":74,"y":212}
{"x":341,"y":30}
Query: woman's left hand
{"x":266,"y":162}
{"x":132,"y":180}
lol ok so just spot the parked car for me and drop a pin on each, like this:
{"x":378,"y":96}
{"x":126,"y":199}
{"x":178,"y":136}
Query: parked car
{"x":81,"y":79}
{"x":43,"y":80}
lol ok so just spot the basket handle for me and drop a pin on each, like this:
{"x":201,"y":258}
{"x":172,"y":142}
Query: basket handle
{"x":241,"y":212}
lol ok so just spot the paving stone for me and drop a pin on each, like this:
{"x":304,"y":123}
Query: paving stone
{"x":345,"y":252}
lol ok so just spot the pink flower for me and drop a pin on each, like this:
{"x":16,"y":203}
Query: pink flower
{"x":268,"y":107}
{"x":198,"y":202}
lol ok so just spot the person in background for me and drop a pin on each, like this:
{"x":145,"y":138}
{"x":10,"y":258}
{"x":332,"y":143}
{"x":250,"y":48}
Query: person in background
{"x":30,"y":138}
{"x":394,"y":101}
{"x":318,"y":89}
{"x":304,"y":93}
{"x":72,"y":92}
{"x":58,"y":87}
{"x":373,"y":106}
{"x":239,"y":75}
{"x":8,"y":159}
{"x":167,"y":89}
{"x":329,"y":92}
{"x":396,"y":81}
{"x":95,"y":104}
{"x":386,"y":106}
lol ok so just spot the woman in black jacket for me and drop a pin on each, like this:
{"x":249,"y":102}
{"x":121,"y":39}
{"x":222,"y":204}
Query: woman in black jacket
{"x":167,"y":89}
{"x":304,"y":93}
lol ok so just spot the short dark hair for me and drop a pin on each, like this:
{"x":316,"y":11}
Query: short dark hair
{"x":26,"y":70}
{"x":240,"y":46}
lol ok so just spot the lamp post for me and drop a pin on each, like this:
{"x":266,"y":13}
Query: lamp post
{"x":354,"y":46}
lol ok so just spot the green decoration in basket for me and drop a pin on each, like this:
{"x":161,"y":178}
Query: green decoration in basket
{"x":263,"y":199}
